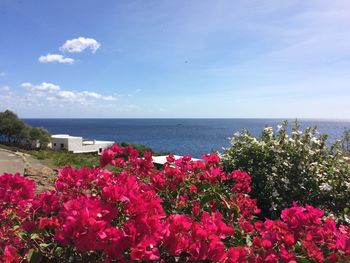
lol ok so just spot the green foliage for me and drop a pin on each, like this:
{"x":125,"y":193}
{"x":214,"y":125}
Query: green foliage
{"x":40,"y":135}
{"x":59,"y":159}
{"x":345,"y":141}
{"x":12,"y":128}
{"x":16,"y":131}
{"x":287,"y":168}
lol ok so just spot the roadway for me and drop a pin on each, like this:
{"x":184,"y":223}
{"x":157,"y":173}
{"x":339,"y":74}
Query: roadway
{"x":10,"y":162}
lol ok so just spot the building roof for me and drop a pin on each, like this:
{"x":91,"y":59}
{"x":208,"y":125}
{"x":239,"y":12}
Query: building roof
{"x":95,"y":142}
{"x":63,"y":136}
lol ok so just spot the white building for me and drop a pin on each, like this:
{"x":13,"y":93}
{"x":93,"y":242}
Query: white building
{"x":77,"y":144}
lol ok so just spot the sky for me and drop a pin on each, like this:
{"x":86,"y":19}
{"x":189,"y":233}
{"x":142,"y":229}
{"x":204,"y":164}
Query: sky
{"x":175,"y":59}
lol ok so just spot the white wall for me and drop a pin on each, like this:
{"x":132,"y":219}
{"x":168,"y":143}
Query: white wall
{"x":56,"y":143}
{"x":75,"y":145}
{"x":93,"y":147}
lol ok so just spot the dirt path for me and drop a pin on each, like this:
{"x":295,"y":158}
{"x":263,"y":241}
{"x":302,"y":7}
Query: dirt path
{"x":17,"y":162}
{"x":10,"y":162}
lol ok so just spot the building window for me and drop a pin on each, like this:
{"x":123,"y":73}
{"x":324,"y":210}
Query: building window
{"x":100,"y":150}
{"x":54,"y":144}
{"x":62,"y":145}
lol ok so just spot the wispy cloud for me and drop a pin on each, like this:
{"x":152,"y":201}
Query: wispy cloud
{"x":2,"y":74}
{"x":79,"y":44}
{"x":5,"y":89}
{"x":43,"y":87}
{"x":84,"y":97}
{"x":53,"y":93}
{"x":55,"y":58}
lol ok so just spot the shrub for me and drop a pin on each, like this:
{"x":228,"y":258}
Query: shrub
{"x":287,"y":168}
{"x":345,"y":141}
{"x":16,"y":132}
{"x":189,"y":211}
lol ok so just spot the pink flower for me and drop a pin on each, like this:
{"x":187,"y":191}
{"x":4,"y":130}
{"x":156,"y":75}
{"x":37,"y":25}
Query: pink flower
{"x":10,"y":255}
{"x":211,"y":159}
{"x":15,"y":188}
{"x":236,"y":255}
{"x":177,"y":237}
{"x":242,"y":181}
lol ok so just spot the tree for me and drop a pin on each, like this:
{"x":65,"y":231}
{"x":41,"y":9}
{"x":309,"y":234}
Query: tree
{"x":12,"y":128}
{"x":15,"y":130}
{"x":40,"y":135}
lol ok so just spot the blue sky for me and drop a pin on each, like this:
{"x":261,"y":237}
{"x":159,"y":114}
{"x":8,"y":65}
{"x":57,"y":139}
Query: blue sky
{"x":195,"y":58}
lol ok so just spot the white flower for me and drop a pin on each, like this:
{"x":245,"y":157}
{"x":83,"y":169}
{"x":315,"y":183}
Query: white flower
{"x":275,"y":194}
{"x":347,"y":219}
{"x":315,"y":140}
{"x":297,"y":132}
{"x":325,"y":187}
{"x":279,"y":127}
{"x":286,"y":164}
{"x":285,"y":180}
{"x":273,"y":207}
{"x":236,"y":134}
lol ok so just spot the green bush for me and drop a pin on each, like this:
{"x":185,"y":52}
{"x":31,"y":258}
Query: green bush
{"x":298,"y":168}
{"x":345,"y":141}
{"x":59,"y":159}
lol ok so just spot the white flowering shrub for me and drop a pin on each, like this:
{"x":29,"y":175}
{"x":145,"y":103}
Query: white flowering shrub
{"x":287,"y":168}
{"x":345,"y":142}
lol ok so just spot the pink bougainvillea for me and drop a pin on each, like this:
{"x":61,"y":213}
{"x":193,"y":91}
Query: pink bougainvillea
{"x":187,"y":211}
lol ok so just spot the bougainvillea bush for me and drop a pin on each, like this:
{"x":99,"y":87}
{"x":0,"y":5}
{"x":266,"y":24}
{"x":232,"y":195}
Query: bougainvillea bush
{"x":126,"y":210}
{"x":300,"y":167}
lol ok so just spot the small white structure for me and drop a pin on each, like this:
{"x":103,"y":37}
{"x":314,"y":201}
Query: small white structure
{"x":162,"y":159}
{"x":77,"y":144}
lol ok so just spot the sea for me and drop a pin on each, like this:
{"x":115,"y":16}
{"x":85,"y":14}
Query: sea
{"x":178,"y":136}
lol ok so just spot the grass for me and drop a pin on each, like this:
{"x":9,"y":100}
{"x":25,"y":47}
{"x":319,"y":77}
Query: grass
{"x":58,"y":159}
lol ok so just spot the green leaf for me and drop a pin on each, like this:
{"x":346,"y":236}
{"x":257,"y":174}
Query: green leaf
{"x":208,"y":198}
{"x":34,"y":236}
{"x":44,"y":245}
{"x":58,"y":250}
{"x":34,"y":256}
{"x":303,"y":260}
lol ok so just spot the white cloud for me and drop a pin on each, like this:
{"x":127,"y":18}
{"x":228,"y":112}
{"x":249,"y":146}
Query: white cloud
{"x":2,"y":74}
{"x":95,"y":95}
{"x":53,"y":93}
{"x":84,"y":97}
{"x":79,"y":44}
{"x":5,"y":88}
{"x":55,"y":58}
{"x":43,"y":87}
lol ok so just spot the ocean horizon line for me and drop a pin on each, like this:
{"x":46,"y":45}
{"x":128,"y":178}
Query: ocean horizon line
{"x":185,"y":118}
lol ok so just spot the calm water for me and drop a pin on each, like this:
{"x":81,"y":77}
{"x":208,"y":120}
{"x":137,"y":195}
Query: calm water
{"x":180,"y":136}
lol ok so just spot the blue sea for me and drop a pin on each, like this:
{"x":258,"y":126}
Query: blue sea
{"x":179,"y":136}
